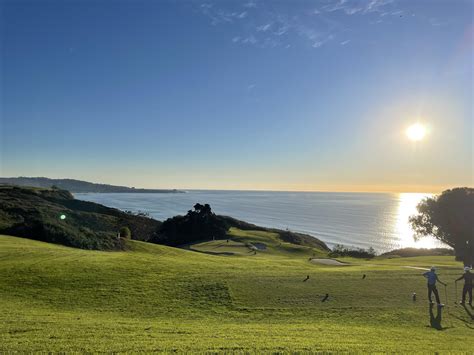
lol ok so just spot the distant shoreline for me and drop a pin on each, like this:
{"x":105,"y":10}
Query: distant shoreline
{"x":133,"y":191}
{"x":78,"y":186}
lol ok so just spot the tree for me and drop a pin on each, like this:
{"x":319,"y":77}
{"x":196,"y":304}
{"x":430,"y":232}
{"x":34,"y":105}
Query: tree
{"x":200,"y":224}
{"x":125,"y":233}
{"x":449,"y":218}
{"x":198,"y":207}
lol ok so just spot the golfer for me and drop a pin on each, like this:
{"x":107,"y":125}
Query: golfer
{"x":467,"y":285}
{"x":432,"y":278}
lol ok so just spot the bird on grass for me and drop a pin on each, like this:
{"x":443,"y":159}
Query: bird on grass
{"x":325,"y":298}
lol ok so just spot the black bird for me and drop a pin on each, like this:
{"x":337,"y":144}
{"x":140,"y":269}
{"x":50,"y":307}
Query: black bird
{"x":306,"y":279}
{"x":325,"y":298}
{"x":363,"y":276}
{"x":414,"y":296}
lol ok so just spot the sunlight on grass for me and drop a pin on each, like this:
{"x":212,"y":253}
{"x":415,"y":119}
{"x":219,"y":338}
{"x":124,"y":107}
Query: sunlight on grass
{"x":157,"y":298}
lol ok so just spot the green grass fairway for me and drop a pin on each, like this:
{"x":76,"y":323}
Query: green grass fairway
{"x":157,"y":298}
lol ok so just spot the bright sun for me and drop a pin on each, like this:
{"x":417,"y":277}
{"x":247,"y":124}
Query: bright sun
{"x":416,"y":132}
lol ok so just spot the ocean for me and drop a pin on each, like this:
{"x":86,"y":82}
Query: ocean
{"x":363,"y":220}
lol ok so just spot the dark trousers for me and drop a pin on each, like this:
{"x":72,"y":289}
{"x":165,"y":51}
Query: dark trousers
{"x":467,"y":289}
{"x":433,"y":289}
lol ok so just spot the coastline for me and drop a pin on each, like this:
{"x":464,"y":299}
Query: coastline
{"x":351,"y":219}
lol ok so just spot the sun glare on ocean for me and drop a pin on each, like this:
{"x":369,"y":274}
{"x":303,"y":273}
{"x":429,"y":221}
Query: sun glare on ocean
{"x":406,"y":208}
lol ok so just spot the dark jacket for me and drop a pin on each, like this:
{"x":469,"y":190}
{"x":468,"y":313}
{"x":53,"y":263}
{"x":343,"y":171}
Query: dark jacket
{"x":467,"y":278}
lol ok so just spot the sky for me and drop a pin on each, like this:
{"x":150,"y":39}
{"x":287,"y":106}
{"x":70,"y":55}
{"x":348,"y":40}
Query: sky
{"x":272,"y":95}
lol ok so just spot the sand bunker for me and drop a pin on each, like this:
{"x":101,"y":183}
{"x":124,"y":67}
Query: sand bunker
{"x":259,"y":246}
{"x":332,"y":262}
{"x":417,"y":268}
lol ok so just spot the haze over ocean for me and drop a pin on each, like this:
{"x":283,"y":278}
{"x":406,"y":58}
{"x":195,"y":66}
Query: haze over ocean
{"x":378,"y":220}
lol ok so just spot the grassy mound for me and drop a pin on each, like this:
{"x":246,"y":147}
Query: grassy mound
{"x":284,"y":235}
{"x":255,"y":243}
{"x":158,"y":298}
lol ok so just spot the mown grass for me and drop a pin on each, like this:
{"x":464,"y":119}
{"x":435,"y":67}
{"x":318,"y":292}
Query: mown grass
{"x":157,"y":298}
{"x":255,"y":243}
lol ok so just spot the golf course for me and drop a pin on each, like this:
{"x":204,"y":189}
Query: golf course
{"x":236,"y":177}
{"x":244,"y":294}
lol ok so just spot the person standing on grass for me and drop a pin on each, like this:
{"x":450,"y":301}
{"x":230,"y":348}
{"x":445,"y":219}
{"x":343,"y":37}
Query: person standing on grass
{"x":467,"y":285}
{"x":432,"y":278}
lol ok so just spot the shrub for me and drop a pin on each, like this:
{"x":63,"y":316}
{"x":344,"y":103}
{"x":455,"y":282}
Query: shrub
{"x":125,"y":233}
{"x":340,"y":250}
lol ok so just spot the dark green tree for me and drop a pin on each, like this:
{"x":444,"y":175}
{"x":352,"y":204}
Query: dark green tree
{"x":449,"y":218}
{"x":198,"y":224}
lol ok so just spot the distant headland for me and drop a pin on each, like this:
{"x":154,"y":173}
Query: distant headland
{"x":77,"y":186}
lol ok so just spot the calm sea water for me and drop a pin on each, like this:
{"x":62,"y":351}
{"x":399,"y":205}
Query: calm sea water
{"x":364,"y":220}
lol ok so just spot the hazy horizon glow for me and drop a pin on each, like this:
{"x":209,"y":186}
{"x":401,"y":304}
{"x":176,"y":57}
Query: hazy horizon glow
{"x":257,"y":95}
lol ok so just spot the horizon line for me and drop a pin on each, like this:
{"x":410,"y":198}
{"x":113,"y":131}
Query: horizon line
{"x":431,"y":189}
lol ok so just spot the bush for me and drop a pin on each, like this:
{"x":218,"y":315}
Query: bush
{"x":125,"y":233}
{"x":340,"y":250}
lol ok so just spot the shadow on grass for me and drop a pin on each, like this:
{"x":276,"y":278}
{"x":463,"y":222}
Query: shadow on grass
{"x":466,"y":322}
{"x":435,"y":322}
{"x":469,"y":313}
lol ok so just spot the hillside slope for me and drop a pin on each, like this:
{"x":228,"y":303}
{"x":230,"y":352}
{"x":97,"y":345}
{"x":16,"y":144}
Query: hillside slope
{"x":76,"y":186}
{"x":55,"y":216}
{"x":162,"y":299}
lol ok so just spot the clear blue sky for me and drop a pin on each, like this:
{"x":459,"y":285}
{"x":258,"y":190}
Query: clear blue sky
{"x":291,"y":95}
